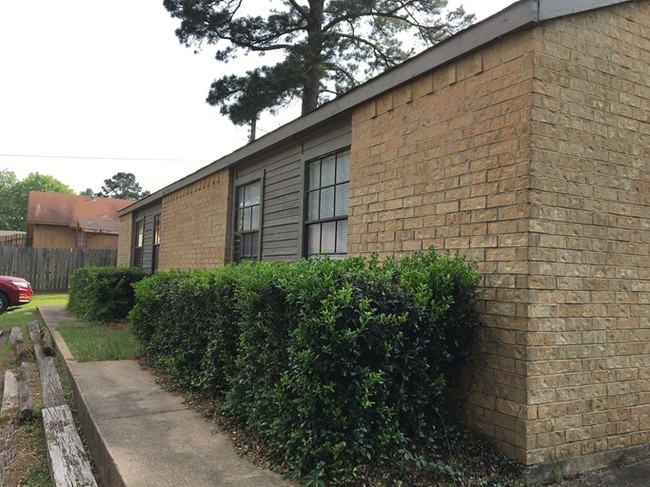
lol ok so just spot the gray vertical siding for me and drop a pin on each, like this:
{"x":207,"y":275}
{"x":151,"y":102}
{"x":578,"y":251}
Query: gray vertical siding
{"x":283,"y":188}
{"x":147,"y":250}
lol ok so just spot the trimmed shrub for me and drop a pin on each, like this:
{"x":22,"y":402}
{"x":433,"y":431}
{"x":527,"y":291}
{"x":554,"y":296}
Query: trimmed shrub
{"x":331,"y":363}
{"x":188,"y":324}
{"x":103,"y":294}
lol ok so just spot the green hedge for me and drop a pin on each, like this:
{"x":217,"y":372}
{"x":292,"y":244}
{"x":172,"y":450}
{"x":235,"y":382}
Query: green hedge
{"x":103,"y":294}
{"x":188,"y":323}
{"x":330,"y":363}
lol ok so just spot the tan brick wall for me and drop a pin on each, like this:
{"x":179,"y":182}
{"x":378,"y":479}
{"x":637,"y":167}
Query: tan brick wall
{"x":531,"y":156}
{"x":445,"y":162}
{"x":194,"y":225}
{"x":124,"y":243}
{"x":588,"y":370}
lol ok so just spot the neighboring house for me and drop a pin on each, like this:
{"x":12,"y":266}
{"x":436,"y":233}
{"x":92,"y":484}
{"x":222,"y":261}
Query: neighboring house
{"x":61,"y":221}
{"x":522,"y":142}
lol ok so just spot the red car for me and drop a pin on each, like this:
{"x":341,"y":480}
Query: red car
{"x":14,"y":291}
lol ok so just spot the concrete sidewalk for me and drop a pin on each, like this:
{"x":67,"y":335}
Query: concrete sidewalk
{"x":634,"y":475}
{"x":142,"y":436}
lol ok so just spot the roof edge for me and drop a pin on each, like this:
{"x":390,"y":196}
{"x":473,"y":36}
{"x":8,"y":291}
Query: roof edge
{"x":551,"y":9}
{"x":515,"y":17}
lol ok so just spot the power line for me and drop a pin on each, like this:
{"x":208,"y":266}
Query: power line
{"x":102,"y":158}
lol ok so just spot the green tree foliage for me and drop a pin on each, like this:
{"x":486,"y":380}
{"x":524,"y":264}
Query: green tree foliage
{"x":329,"y":46}
{"x":123,"y":186}
{"x":14,"y":195}
{"x":243,"y":98}
{"x":8,"y":214}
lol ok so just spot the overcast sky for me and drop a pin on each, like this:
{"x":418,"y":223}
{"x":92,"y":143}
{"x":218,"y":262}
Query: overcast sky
{"x":89,"y":88}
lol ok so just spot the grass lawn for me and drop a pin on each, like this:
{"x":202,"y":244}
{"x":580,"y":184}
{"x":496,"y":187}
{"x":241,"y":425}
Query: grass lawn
{"x":22,"y":315}
{"x":92,"y":343}
{"x":86,"y":342}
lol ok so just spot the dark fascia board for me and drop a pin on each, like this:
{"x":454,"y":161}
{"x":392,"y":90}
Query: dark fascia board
{"x":551,"y":9}
{"x":518,"y":16}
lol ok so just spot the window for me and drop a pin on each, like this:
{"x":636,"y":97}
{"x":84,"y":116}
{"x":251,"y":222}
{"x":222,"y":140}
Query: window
{"x":156,"y":242}
{"x":247,"y":222}
{"x":327,"y":199}
{"x":81,"y":238}
{"x":138,"y":242}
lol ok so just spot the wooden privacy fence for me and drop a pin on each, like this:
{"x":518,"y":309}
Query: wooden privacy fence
{"x":15,"y":240}
{"x":49,"y":270}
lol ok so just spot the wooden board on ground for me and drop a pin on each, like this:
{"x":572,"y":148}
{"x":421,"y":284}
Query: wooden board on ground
{"x":48,"y":347}
{"x":25,"y":397}
{"x":16,"y":336}
{"x":10,"y":394}
{"x":50,"y":383}
{"x":69,"y":464}
{"x":34,"y":329}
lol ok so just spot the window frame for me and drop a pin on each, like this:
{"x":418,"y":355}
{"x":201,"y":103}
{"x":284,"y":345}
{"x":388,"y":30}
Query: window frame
{"x":155,"y":246}
{"x":80,"y":239}
{"x":138,"y":250}
{"x":257,"y":177}
{"x":307,"y":223}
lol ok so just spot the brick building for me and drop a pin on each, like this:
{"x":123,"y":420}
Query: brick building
{"x":521,"y":142}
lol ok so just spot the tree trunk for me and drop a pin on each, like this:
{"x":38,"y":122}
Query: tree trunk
{"x":253,"y":129}
{"x":310,"y":93}
{"x":313,"y":62}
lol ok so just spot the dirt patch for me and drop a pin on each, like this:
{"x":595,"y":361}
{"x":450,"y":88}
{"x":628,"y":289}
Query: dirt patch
{"x":22,"y":446}
{"x":19,"y":451}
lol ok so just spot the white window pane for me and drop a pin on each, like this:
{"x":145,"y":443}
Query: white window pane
{"x":156,"y":229}
{"x":328,"y":171}
{"x":252,"y":194}
{"x":239,"y":221}
{"x":313,"y":239}
{"x":238,"y":248}
{"x":342,"y":237}
{"x":255,"y":218}
{"x":313,"y":205}
{"x":137,"y":257}
{"x":314,"y":175}
{"x":328,"y":238}
{"x":240,"y":197}
{"x":342,"y":199}
{"x":256,"y":244}
{"x":343,"y":167}
{"x":248,"y":245}
{"x":139,"y":234}
{"x":327,"y":203}
{"x":248,"y":215}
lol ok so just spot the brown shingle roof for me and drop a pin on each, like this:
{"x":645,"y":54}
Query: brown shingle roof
{"x":92,"y":214}
{"x":98,"y":225}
